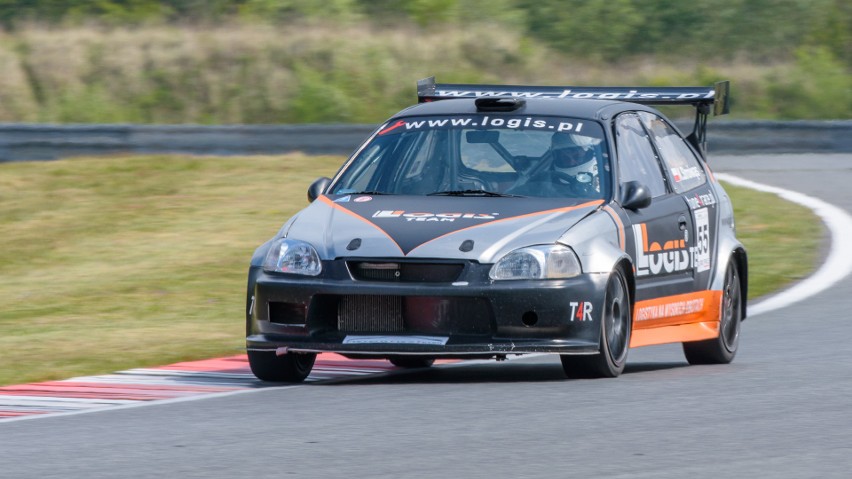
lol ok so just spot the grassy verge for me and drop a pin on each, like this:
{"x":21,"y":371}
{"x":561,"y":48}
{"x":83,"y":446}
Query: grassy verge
{"x":779,"y":236}
{"x":321,"y":73}
{"x":114,"y":263}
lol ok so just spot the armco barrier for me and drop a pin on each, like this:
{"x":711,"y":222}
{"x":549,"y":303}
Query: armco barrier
{"x":747,"y":137}
{"x":20,"y":142}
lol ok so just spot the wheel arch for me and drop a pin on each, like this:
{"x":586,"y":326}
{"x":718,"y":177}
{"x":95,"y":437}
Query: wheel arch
{"x":253,"y":273}
{"x":738,"y":256}
{"x":740,"y":259}
{"x":626,"y":268}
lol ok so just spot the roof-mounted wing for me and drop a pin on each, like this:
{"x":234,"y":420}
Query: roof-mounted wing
{"x":702,"y":98}
{"x":428,"y":90}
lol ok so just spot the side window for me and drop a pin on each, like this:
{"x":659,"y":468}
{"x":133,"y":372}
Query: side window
{"x":636,"y":158}
{"x":684,"y":168}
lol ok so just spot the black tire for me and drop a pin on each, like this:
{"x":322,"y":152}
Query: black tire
{"x":411,"y":362}
{"x":616,"y":326}
{"x":291,"y":367}
{"x":721,"y":350}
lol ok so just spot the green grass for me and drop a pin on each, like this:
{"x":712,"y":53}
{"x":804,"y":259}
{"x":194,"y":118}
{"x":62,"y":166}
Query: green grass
{"x":114,"y":263}
{"x":123,"y":262}
{"x":779,"y":236}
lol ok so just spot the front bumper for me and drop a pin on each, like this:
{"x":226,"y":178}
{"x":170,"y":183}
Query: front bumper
{"x":470,"y":316}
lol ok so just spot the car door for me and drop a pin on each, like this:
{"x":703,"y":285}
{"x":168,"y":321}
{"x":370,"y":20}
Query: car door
{"x":686,"y":174}
{"x":659,"y":237}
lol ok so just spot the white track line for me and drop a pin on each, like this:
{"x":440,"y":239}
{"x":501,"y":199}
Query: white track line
{"x":837,"y":265}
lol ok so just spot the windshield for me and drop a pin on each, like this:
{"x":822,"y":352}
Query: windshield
{"x":482,"y":155}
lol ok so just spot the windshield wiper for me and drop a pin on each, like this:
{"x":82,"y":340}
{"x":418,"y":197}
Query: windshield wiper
{"x":472,"y":193}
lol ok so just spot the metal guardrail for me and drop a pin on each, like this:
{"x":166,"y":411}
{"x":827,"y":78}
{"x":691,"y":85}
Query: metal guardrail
{"x":22,"y":142}
{"x":749,"y":137}
{"x":46,"y":142}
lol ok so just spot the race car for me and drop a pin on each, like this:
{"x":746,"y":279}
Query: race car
{"x":489,"y":221}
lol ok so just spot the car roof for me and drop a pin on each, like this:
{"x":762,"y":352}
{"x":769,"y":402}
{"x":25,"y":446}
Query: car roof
{"x":579,"y":108}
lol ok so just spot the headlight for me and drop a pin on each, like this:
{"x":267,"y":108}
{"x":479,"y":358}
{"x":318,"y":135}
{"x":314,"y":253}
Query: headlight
{"x":292,"y":256}
{"x":537,"y":262}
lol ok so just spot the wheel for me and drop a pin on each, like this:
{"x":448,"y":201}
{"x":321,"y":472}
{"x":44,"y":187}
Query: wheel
{"x":291,"y":367}
{"x":721,"y":350}
{"x":411,"y":362}
{"x":616,"y":324}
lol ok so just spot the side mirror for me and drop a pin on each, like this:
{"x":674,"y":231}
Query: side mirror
{"x":317,"y":188}
{"x":635,"y":195}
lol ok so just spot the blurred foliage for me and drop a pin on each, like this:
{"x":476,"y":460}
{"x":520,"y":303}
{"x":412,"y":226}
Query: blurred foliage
{"x":272,"y":61}
{"x":606,"y":29}
{"x":817,"y":83}
{"x":761,"y":30}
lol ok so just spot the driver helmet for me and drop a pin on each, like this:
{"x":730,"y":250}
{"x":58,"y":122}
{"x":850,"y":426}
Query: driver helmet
{"x":572,"y":161}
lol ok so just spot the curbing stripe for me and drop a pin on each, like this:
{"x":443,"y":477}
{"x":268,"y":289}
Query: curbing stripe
{"x":171,"y":383}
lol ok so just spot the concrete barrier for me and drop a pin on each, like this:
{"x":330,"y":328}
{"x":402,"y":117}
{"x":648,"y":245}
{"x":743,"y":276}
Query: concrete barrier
{"x":22,"y":142}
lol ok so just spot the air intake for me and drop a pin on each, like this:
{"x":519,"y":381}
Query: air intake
{"x":499,"y":104}
{"x":405,"y":272}
{"x":373,"y":314}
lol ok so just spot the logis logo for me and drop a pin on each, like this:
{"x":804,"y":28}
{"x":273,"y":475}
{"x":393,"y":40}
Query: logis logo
{"x":422,"y":216}
{"x":672,"y":256}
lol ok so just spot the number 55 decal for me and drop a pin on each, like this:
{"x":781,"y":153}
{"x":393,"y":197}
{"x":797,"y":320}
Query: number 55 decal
{"x":702,"y":247}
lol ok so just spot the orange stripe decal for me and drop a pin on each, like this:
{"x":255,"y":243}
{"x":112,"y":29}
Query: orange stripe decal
{"x":682,"y":317}
{"x":326,"y":200}
{"x":680,"y":333}
{"x":619,"y":225}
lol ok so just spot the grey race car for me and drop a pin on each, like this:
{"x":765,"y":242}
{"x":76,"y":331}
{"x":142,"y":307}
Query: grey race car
{"x":489,"y":221}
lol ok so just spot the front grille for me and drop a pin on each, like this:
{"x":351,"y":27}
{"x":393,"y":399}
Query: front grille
{"x":405,"y":272}
{"x":375,"y":314}
{"x":412,"y":314}
{"x":376,"y":271}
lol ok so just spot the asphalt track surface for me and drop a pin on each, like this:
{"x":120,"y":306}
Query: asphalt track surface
{"x":783,"y":409}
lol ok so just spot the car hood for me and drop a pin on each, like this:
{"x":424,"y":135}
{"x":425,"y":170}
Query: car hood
{"x":473,"y":228}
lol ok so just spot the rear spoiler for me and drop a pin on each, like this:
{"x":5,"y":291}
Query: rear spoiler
{"x":702,"y":98}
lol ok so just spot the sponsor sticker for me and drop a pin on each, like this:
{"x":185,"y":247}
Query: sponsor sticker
{"x":428,"y":216}
{"x":512,"y":123}
{"x":363,"y":199}
{"x":653,"y":258}
{"x":425,"y":340}
{"x":581,"y":310}
{"x":611,"y":94}
{"x":670,"y":310}
{"x":701,"y":200}
{"x":685,"y":173}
